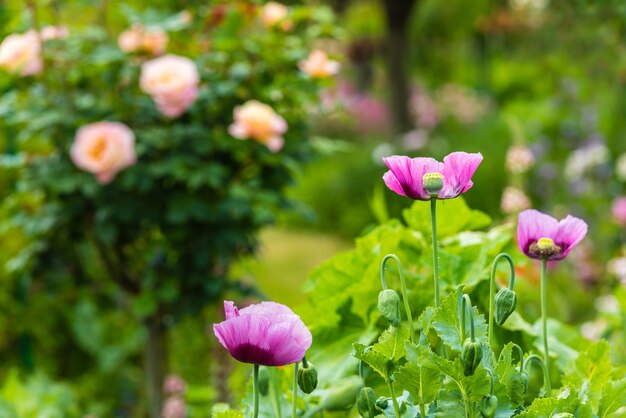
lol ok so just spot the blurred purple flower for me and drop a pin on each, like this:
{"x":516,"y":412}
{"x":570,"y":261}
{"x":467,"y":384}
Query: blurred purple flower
{"x":619,"y":210}
{"x":405,"y":175}
{"x":267,"y":334}
{"x":541,"y":236}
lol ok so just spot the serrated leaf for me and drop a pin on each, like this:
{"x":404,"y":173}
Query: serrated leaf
{"x":416,"y":378}
{"x":509,"y":375}
{"x":376,"y":361}
{"x":426,"y":322}
{"x":613,"y":398}
{"x":565,"y":401}
{"x":590,"y":371}
{"x":391,"y":342}
{"x":448,"y":324}
{"x":450,"y":403}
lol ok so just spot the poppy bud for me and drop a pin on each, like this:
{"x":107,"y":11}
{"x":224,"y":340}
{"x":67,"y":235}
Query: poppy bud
{"x":341,"y":395}
{"x":389,"y":306}
{"x":525,"y":381}
{"x":488,"y":406}
{"x":432,"y":183}
{"x":307,"y":377}
{"x":471,"y":356}
{"x":366,"y":403}
{"x":264,"y":380}
{"x":382,"y":402}
{"x":506,"y":302}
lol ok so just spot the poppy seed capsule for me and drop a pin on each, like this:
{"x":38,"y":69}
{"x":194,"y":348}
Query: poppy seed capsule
{"x":389,"y":306}
{"x":471,"y":356}
{"x":488,"y":406}
{"x":366,"y":403}
{"x":506,"y":302}
{"x":307,"y":377}
{"x":432,"y":183}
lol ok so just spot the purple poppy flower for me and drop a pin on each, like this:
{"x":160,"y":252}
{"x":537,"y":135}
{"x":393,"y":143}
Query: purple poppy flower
{"x":406,"y":175}
{"x":267,"y":334}
{"x":541,"y":236}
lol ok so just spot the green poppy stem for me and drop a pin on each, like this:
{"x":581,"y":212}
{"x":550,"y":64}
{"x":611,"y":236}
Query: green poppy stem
{"x":492,"y":289}
{"x":405,"y":297}
{"x":433,"y":222}
{"x":294,"y":403}
{"x":546,"y":376}
{"x":255,"y":393}
{"x":396,"y":407}
{"x":466,"y":305}
{"x":544,"y":316}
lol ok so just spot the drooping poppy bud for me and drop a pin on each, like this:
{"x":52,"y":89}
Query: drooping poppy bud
{"x":307,"y":377}
{"x":389,"y":306}
{"x":506,"y":302}
{"x":382,"y":402}
{"x":488,"y":406}
{"x":471,"y":356}
{"x":366,"y":403}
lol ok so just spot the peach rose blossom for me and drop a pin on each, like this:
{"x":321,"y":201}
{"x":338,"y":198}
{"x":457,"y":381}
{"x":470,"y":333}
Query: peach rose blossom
{"x":131,"y":39}
{"x":54,"y":32}
{"x":21,"y":53}
{"x":154,"y":41}
{"x":258,"y":121}
{"x":275,"y":14}
{"x":104,"y":149}
{"x":317,"y":65}
{"x":172,"y":81}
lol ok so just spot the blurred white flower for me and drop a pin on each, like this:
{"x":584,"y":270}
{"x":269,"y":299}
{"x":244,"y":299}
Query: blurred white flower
{"x":519,"y":159}
{"x":620,"y":167}
{"x":593,"y":330}
{"x":514,"y":200}
{"x":607,"y":303}
{"x":584,"y":159}
{"x":617,"y":266}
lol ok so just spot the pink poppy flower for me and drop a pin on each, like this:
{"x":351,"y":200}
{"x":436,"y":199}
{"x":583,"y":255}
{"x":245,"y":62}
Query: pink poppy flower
{"x":406,"y":175}
{"x":267,"y":334}
{"x":541,"y":236}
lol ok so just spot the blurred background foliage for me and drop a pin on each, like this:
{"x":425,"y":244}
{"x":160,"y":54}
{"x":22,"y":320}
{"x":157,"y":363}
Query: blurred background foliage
{"x":536,"y":86}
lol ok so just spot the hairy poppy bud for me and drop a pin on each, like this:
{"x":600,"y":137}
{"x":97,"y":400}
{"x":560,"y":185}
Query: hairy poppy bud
{"x":341,"y":395}
{"x":525,"y":381}
{"x":506,"y":302}
{"x":432,"y":183}
{"x":307,"y":377}
{"x":382,"y":402}
{"x":471,"y":356}
{"x":488,"y":406}
{"x":264,"y":380}
{"x":366,"y":403}
{"x":389,"y":306}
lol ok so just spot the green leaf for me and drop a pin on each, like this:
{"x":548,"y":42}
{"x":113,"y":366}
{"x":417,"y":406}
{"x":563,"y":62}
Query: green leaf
{"x":221,"y":410}
{"x":565,"y":401}
{"x":509,"y":375}
{"x":613,"y":398}
{"x":590,"y":371}
{"x":419,"y":380}
{"x":448,"y":324}
{"x":391,"y":342}
{"x":453,"y":216}
{"x":377,"y":362}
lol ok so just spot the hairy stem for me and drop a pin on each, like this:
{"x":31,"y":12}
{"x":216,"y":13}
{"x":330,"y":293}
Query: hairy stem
{"x":255,"y":393}
{"x":544,"y":317}
{"x":433,"y":221}
{"x":294,"y":403}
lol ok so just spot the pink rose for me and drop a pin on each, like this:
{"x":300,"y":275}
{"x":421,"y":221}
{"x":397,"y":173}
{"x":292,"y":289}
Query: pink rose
{"x":274,"y":13}
{"x":172,"y":81}
{"x":317,"y":65}
{"x":104,"y":149}
{"x":21,"y":53}
{"x":258,"y":121}
{"x":137,"y":38}
{"x":619,"y":210}
{"x":54,"y":32}
{"x":131,"y":39}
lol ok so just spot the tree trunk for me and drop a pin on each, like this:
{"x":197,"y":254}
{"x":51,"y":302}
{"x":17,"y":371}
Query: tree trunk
{"x":155,"y":359}
{"x":397,"y":13}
